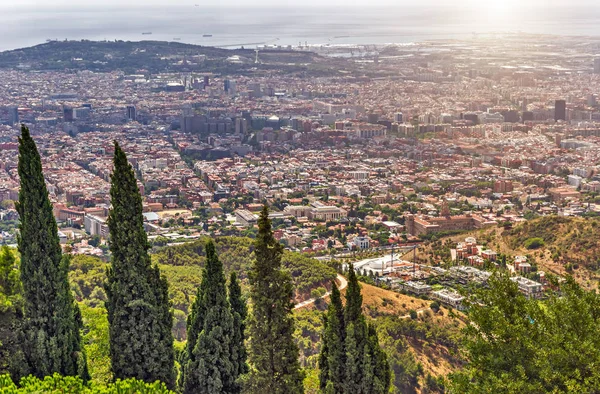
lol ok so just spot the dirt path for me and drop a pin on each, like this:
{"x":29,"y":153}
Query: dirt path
{"x":342,"y":283}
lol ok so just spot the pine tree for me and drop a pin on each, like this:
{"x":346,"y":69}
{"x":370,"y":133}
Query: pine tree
{"x":239,"y":310}
{"x":51,"y":335}
{"x":209,"y":367}
{"x":273,"y":354}
{"x":139,"y":312}
{"x":332,"y":359}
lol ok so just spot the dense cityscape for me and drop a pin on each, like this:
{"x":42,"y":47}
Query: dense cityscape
{"x":428,"y":166}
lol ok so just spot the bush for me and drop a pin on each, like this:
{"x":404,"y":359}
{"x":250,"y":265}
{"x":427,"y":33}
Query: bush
{"x":435,"y":306}
{"x":534,"y":243}
{"x":74,"y":385}
{"x":413,"y":314}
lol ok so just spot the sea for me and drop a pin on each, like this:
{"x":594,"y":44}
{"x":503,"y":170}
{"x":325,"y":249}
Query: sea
{"x":291,"y":25}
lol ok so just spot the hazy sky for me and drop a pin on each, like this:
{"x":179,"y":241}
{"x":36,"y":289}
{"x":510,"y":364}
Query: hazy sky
{"x":496,"y":4}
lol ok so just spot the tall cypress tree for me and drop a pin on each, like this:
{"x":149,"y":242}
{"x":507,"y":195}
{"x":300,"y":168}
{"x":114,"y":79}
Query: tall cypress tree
{"x":382,"y":375}
{"x":52,"y":322}
{"x":139,"y":313}
{"x":366,"y":367}
{"x":332,"y":359}
{"x":209,"y":367}
{"x":356,"y":327}
{"x":239,"y":310}
{"x":273,"y":354}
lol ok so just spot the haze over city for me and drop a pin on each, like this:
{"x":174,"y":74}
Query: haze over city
{"x":300,"y":197}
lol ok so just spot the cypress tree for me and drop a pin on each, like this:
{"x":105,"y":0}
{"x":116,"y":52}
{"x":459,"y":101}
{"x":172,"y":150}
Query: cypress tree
{"x":239,"y":310}
{"x":377,"y":358}
{"x":366,"y":366}
{"x":273,"y":354}
{"x":332,"y":357}
{"x":355,"y":335}
{"x":51,"y":336}
{"x":209,"y":367}
{"x":139,"y":312}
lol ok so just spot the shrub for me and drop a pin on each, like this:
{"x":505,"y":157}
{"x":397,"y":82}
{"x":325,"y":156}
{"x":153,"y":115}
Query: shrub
{"x":534,"y":243}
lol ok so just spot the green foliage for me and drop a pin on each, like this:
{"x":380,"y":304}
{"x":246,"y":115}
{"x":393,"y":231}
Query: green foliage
{"x":273,"y":354}
{"x":546,"y":227}
{"x":10,"y":284}
{"x":96,"y":343}
{"x":332,"y":360}
{"x":239,"y":311}
{"x":87,"y":276}
{"x":51,"y":335}
{"x":516,"y":344}
{"x":11,"y":314}
{"x":351,"y":359}
{"x":237,"y":256}
{"x":57,"y":384}
{"x":208,"y":363}
{"x":139,"y":312}
{"x":534,"y":243}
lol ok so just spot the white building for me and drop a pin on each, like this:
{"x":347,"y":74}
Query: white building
{"x":361,"y":242}
{"x":95,"y":225}
{"x":530,"y":288}
{"x":574,"y":180}
{"x":449,"y":297}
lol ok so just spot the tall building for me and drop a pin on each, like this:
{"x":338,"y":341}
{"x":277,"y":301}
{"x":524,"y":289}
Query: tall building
{"x":398,"y":117}
{"x":560,"y":110}
{"x":68,"y":114}
{"x":14,"y":115}
{"x":206,"y":80}
{"x":226,"y":85}
{"x":131,"y":113}
{"x":527,"y":116}
{"x":597,"y":65}
{"x":241,"y":126}
{"x":232,"y":88}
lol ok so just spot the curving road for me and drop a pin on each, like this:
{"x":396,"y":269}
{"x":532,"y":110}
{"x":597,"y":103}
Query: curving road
{"x":342,"y":283}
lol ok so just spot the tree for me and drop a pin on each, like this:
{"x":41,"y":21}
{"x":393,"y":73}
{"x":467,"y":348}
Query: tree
{"x":139,"y":311}
{"x":209,"y":367}
{"x":51,"y":336}
{"x":94,"y":241}
{"x":11,"y":315}
{"x":273,"y":354}
{"x":74,"y":385}
{"x":10,"y":284}
{"x":239,"y":310}
{"x":514,"y":344}
{"x":367,"y":369}
{"x":332,"y":359}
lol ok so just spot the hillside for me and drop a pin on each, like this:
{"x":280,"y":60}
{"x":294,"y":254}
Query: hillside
{"x":421,"y":350}
{"x":156,"y":57}
{"x":554,"y":244}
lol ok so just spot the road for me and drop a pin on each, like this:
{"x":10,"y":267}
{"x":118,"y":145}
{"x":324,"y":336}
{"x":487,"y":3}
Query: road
{"x":342,"y":283}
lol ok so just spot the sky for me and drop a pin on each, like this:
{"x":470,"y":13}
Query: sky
{"x":494,"y":4}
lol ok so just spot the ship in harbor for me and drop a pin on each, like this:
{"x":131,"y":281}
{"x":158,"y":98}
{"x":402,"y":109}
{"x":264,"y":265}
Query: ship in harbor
{"x":207,"y":35}
{"x":146,"y":33}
